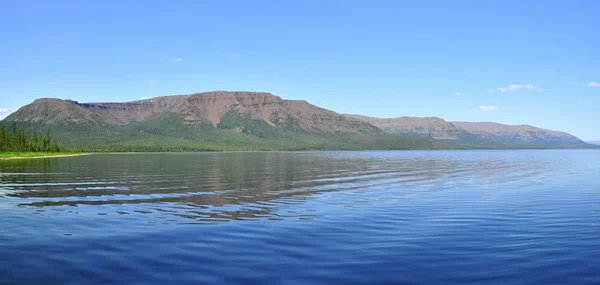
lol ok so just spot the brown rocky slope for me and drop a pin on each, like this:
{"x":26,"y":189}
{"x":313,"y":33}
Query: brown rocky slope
{"x":200,"y":108}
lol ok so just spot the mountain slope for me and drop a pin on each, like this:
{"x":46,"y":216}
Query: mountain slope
{"x":206,"y":121}
{"x":198,"y":109}
{"x":520,"y":134}
{"x":54,"y":111}
{"x":432,"y":127}
{"x":467,"y":134}
{"x":594,"y":142}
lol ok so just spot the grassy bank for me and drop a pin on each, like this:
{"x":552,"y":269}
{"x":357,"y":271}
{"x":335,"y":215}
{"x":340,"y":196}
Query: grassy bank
{"x":24,"y":155}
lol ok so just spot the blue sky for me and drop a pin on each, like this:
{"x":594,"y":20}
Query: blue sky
{"x":514,"y":62}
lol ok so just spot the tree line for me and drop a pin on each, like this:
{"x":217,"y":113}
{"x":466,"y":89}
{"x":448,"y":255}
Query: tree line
{"x":15,"y":139}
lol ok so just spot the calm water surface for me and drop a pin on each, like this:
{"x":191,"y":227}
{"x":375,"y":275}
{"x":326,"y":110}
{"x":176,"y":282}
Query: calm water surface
{"x":431,"y":217}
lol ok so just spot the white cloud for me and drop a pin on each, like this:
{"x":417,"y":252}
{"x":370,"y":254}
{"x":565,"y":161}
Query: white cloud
{"x":176,"y":59}
{"x":486,"y":108}
{"x":458,"y":94}
{"x":594,"y":84}
{"x":590,"y":84}
{"x":515,"y":87}
{"x":3,"y":113}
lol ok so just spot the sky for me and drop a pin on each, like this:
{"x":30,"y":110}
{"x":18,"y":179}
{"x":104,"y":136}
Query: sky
{"x":512,"y":62}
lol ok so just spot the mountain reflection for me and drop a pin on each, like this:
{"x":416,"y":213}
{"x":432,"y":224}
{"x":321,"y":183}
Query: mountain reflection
{"x":216,"y":187}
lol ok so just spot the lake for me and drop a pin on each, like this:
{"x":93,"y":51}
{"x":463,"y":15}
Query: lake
{"x":379,"y":217}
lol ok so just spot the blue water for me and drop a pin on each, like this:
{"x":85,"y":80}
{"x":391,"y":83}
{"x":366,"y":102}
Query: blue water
{"x":412,"y":217}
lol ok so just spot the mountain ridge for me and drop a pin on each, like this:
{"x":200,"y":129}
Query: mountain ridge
{"x":473,"y":133}
{"x":217,"y":116}
{"x":198,"y":108}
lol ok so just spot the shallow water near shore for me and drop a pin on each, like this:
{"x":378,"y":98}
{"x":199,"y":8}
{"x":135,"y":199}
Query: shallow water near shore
{"x":375,"y":217}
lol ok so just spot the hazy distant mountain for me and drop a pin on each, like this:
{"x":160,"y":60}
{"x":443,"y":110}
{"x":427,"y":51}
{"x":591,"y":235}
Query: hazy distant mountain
{"x":431,"y":127}
{"x":520,"y":134}
{"x":206,"y":121}
{"x":474,"y":134}
{"x":594,"y":142}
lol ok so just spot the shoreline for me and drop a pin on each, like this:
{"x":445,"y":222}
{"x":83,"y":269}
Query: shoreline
{"x":333,"y":150}
{"x":299,"y":151}
{"x":43,"y":156}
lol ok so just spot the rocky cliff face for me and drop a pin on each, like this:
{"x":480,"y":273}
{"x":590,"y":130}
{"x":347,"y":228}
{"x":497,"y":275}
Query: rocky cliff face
{"x":53,"y":111}
{"x":200,"y":108}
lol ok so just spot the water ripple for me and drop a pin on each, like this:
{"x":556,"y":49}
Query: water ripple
{"x":457,"y":217}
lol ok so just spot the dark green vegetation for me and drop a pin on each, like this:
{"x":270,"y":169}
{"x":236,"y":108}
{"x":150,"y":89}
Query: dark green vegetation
{"x":18,"y":140}
{"x":169,"y":133}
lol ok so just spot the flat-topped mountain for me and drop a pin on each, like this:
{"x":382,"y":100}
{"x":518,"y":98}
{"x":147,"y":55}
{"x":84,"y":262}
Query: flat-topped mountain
{"x":210,"y":108}
{"x":431,"y":127}
{"x":474,"y":134}
{"x":518,"y":133}
{"x":217,"y":120}
{"x":223,"y":120}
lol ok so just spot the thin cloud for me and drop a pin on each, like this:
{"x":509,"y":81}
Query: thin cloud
{"x":515,"y":87}
{"x":151,"y":81}
{"x":458,"y":94}
{"x":486,"y":108}
{"x":589,"y":84}
{"x":3,"y":113}
{"x":176,"y":59}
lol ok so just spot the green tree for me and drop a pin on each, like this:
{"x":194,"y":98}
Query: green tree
{"x":19,"y":140}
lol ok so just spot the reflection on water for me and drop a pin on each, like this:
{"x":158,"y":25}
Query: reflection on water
{"x":438,"y":206}
{"x":235,"y":185}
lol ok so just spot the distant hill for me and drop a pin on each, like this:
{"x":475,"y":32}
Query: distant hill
{"x":217,"y":120}
{"x":594,"y":142}
{"x":468,"y":134}
{"x":430,"y":127}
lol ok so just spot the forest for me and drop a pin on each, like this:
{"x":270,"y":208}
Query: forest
{"x":170,"y":133}
{"x":18,"y":140}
